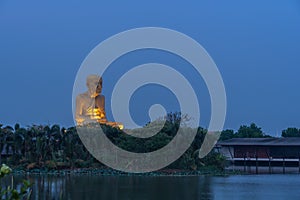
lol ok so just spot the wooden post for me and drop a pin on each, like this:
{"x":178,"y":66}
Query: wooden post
{"x":256,"y":164}
{"x":299,"y":164}
{"x":270,"y":171}
{"x":232,"y":158}
{"x":283,"y":165}
{"x":244,"y":163}
{"x":269,"y":156}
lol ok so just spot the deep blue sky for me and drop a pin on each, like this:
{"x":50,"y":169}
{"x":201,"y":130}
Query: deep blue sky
{"x":256,"y":46}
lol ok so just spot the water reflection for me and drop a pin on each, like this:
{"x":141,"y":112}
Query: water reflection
{"x":91,"y":187}
{"x":118,"y":187}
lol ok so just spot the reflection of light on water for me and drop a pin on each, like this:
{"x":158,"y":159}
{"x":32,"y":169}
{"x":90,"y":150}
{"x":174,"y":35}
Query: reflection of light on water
{"x":45,"y":187}
{"x":163,"y":187}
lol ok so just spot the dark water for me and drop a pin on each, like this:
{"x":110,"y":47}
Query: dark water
{"x":90,"y":187}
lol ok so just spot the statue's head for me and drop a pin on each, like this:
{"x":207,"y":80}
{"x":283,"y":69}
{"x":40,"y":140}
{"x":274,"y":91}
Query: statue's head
{"x":94,"y":84}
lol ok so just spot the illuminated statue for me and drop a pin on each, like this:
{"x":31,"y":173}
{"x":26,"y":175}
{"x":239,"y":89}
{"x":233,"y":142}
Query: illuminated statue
{"x":90,"y":106}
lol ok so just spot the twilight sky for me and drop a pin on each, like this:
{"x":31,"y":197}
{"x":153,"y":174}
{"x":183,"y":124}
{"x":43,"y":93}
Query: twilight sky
{"x":255,"y":45}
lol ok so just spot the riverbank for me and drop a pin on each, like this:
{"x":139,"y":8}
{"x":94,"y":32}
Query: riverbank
{"x":209,"y":170}
{"x":111,"y":172}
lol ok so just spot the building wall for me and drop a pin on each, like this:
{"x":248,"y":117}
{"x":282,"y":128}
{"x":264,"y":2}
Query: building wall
{"x":251,"y":152}
{"x":285,"y":151}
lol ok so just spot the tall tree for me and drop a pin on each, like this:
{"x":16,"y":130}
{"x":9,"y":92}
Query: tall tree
{"x":251,"y":131}
{"x":227,"y":134}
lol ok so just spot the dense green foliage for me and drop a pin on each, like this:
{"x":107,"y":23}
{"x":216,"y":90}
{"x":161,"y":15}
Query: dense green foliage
{"x":252,"y":131}
{"x":45,"y":147}
{"x":291,"y":132}
{"x":53,"y":147}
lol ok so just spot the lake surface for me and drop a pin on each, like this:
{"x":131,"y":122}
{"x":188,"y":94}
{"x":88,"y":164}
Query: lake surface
{"x":89,"y":187}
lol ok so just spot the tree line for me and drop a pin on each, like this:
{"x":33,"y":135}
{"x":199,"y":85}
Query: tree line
{"x":253,"y":131}
{"x":54,"y":147}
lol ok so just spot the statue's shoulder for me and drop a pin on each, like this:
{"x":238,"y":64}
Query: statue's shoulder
{"x":100,"y":96}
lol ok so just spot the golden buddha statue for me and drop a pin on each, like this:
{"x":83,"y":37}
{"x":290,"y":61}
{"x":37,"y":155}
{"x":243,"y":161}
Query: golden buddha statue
{"x":90,"y":106}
